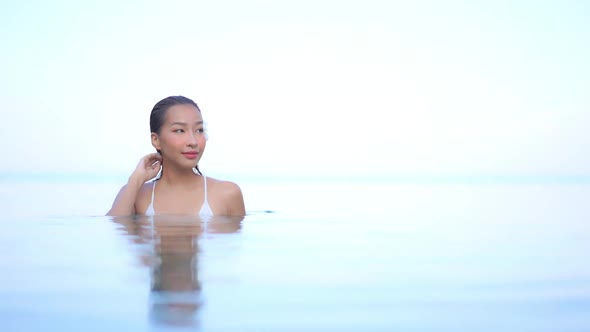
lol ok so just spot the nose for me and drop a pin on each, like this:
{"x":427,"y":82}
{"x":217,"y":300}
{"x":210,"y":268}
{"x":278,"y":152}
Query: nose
{"x":192,"y":140}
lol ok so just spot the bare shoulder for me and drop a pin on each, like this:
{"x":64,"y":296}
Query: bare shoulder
{"x":224,"y":187}
{"x":228,"y":196}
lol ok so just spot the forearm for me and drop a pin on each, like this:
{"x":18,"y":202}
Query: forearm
{"x":124,"y":204}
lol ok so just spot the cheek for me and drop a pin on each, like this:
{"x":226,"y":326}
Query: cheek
{"x":202,"y":141}
{"x":171,"y":141}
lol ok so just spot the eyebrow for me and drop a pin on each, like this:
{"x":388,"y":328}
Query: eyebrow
{"x":184,"y":123}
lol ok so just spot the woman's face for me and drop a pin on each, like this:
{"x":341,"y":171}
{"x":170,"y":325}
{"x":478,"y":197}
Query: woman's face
{"x":182,"y":136}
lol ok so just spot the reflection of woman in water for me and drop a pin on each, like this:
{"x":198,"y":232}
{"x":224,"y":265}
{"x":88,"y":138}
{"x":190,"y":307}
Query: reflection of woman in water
{"x":178,"y":135}
{"x":175,"y":294}
{"x":175,"y":289}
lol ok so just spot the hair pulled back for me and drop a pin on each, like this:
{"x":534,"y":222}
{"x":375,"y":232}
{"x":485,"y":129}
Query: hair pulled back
{"x":159,"y":111}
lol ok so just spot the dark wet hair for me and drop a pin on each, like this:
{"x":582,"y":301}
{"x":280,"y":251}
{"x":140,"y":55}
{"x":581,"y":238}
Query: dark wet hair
{"x":159,"y":111}
{"x":158,"y":116}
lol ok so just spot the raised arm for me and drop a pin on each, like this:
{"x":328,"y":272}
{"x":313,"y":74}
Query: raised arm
{"x":147,"y":168}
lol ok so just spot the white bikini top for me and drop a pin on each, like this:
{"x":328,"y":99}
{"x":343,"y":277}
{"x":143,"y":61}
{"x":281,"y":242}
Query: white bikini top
{"x":205,"y":209}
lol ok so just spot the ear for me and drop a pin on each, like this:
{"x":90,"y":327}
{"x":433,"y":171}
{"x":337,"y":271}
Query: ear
{"x":156,"y":141}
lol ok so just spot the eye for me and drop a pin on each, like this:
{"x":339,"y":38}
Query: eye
{"x":178,"y":130}
{"x":201,"y":130}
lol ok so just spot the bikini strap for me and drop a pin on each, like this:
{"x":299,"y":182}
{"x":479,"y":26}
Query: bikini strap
{"x":153,"y":190}
{"x":205,"y":181}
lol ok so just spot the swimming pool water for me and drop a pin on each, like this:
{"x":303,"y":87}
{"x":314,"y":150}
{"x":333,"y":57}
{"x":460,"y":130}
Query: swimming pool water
{"x":332,"y":257}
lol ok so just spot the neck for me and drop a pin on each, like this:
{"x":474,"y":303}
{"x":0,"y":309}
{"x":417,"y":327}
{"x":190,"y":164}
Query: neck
{"x":178,"y":177}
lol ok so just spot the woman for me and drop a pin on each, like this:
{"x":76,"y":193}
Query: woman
{"x":179,"y":137}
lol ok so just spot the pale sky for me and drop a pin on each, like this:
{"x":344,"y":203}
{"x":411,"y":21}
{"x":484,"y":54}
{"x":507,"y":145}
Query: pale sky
{"x":346,"y":87}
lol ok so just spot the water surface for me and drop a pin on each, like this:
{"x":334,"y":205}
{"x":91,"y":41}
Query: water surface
{"x":332,"y":257}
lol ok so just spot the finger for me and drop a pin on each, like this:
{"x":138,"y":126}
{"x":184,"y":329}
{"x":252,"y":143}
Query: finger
{"x":152,"y":156}
{"x":153,"y":164}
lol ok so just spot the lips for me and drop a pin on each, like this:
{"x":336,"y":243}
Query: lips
{"x":191,"y":155}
